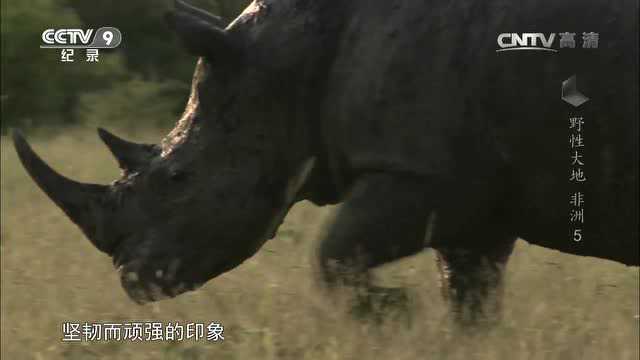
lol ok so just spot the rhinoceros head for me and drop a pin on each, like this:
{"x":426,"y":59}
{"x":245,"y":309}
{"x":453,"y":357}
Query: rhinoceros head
{"x":217,"y":187}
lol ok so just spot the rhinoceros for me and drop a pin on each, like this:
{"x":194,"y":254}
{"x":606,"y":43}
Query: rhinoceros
{"x":407,"y":113}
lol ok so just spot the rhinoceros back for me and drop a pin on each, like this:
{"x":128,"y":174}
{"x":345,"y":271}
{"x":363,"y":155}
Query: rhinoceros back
{"x":418,"y":87}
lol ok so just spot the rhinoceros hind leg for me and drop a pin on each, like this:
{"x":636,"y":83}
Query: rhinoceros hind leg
{"x":472,"y":281}
{"x":383,"y":218}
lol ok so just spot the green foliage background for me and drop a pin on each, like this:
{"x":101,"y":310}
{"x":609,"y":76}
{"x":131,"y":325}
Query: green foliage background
{"x":143,"y":82}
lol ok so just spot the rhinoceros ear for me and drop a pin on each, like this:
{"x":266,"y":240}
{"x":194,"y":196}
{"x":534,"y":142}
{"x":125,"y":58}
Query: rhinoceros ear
{"x":199,"y":13}
{"x":201,"y":32}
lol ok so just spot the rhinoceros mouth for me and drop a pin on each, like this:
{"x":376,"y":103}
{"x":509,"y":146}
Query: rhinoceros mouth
{"x":145,"y":285}
{"x":149,"y":280}
{"x":116,"y":250}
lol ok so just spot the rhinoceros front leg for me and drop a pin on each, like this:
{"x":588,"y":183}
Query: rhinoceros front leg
{"x":472,"y":280}
{"x":383,"y":218}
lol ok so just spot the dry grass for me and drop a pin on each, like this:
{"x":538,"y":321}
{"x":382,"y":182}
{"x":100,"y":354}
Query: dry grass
{"x":557,"y":306}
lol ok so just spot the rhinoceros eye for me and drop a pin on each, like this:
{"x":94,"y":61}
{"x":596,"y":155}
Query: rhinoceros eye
{"x":163,"y":181}
{"x":178,"y":176}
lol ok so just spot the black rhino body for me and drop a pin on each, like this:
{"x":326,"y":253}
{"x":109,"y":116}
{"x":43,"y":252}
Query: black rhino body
{"x":418,"y":88}
{"x":411,"y":119}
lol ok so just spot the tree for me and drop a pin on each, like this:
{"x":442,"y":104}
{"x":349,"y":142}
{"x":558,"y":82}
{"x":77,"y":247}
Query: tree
{"x":36,"y":88}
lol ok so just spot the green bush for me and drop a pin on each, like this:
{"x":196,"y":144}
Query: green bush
{"x":144,"y":81}
{"x":36,"y":88}
{"x":134,"y":103}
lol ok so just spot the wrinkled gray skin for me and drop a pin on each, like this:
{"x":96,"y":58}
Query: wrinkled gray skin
{"x":400,"y":110}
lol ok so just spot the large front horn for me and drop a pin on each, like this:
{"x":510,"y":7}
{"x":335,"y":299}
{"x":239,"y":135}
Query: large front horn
{"x":131,"y":156}
{"x":201,"y":32}
{"x":81,"y":202}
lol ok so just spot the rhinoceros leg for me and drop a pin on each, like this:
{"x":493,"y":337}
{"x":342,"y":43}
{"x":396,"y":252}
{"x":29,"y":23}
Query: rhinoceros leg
{"x":383,"y":218}
{"x":472,"y":280}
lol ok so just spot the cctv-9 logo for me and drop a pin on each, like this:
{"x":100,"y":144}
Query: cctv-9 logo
{"x":107,"y":37}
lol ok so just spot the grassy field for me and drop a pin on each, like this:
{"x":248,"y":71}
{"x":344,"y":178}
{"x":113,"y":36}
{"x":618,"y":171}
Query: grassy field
{"x":557,"y":306}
